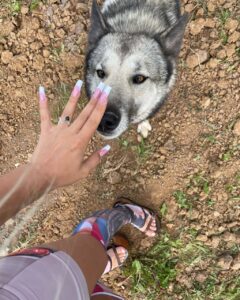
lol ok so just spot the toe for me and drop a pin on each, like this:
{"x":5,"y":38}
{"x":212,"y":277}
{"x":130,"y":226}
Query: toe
{"x":150,"y":233}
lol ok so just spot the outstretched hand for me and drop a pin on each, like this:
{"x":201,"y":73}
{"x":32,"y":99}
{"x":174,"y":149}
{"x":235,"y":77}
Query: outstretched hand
{"x":59,"y":157}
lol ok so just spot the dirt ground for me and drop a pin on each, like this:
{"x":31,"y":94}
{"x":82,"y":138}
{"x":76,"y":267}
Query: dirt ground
{"x":188,"y":168}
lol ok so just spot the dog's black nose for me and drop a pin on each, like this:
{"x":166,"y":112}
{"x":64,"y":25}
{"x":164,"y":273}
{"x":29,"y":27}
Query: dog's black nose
{"x":110,"y":122}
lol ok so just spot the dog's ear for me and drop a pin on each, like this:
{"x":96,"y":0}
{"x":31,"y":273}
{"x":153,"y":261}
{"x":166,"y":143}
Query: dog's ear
{"x":99,"y":26}
{"x":172,"y":41}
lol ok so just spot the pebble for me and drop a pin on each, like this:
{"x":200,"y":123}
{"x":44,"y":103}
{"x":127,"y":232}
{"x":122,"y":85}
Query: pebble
{"x":236,"y":263}
{"x":197,"y":26}
{"x":236,"y":129}
{"x":114,"y":178}
{"x":231,"y":25}
{"x":225,"y":262}
{"x":234,"y":37}
{"x":202,"y":238}
{"x":24,"y":10}
{"x":200,"y":57}
{"x":6,"y":57}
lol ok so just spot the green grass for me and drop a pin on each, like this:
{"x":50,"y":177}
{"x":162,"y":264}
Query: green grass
{"x":223,"y":16}
{"x":211,"y":289}
{"x":124,"y":143}
{"x":182,"y":201}
{"x":152,"y":272}
{"x":15,"y":7}
{"x":223,"y":36}
{"x":34,"y":4}
{"x":238,"y":51}
{"x":163,"y":209}
{"x":144,"y":150}
{"x":233,"y":188}
{"x":209,"y":138}
{"x":200,"y":182}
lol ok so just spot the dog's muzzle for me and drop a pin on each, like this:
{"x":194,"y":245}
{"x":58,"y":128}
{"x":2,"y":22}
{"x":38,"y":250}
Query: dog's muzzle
{"x":109,"y":123}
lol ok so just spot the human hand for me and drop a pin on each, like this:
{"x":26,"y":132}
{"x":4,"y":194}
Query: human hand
{"x":59,"y":158}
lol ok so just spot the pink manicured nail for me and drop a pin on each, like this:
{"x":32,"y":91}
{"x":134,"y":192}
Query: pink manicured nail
{"x":99,"y":90}
{"x":42,"y":94}
{"x":104,"y":150}
{"x":77,"y":88}
{"x":105,"y":94}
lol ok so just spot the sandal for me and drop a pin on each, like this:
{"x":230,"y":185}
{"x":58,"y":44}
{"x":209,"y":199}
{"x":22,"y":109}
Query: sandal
{"x":117,"y":255}
{"x":143,"y":218}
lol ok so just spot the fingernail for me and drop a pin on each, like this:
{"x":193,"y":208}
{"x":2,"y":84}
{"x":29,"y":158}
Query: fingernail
{"x":104,"y":150}
{"x":42,"y":94}
{"x":77,"y":88}
{"x":99,"y":90}
{"x":105,"y":94}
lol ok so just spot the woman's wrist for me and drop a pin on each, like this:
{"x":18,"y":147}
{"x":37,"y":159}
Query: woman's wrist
{"x":40,"y":178}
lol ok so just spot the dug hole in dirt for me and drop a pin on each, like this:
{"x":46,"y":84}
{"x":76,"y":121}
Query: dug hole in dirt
{"x":188,"y":168}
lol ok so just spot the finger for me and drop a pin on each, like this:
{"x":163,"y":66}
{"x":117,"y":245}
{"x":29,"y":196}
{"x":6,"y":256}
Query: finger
{"x":95,"y":118}
{"x":84,"y":115}
{"x":72,"y":104}
{"x":44,"y":111}
{"x":91,"y":163}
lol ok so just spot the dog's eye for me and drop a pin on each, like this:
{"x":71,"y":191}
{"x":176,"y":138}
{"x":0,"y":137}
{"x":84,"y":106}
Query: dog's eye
{"x":139,"y":79}
{"x":101,"y":74}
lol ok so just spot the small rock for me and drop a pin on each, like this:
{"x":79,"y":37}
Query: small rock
{"x":236,"y":129}
{"x":234,"y":37}
{"x":189,"y":8}
{"x":216,"y":214}
{"x":211,"y":7}
{"x":24,"y":10}
{"x":230,"y":50}
{"x":201,"y":277}
{"x":200,"y":57}
{"x":197,"y":26}
{"x":221,"y":54}
{"x":6,"y":57}
{"x":231,"y":25}
{"x":169,"y":145}
{"x":215,"y":242}
{"x":163,"y":150}
{"x":225,"y":262}
{"x":210,"y":23}
{"x":223,"y":84}
{"x":193,"y":215}
{"x":202,"y":238}
{"x":213,"y":63}
{"x":206,"y":103}
{"x":114,"y":178}
{"x":236,"y":263}
{"x":46,"y":53}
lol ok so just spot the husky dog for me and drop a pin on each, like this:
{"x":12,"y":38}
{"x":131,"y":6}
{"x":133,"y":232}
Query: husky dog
{"x":133,"y":46}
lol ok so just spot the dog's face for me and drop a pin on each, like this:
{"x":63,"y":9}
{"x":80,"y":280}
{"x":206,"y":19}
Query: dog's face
{"x":139,"y":74}
{"x":140,"y":70}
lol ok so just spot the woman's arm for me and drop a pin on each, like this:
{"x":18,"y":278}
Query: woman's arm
{"x":59,"y":158}
{"x":19,"y":188}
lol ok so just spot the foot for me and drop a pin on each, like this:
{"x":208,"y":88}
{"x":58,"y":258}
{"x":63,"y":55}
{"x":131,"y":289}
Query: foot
{"x":144,"y":128}
{"x":116,"y":257}
{"x":142,"y":218}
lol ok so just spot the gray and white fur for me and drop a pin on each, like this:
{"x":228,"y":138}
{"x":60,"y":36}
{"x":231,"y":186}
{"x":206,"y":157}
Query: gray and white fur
{"x":133,"y":46}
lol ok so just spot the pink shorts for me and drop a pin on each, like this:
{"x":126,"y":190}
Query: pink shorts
{"x":54,"y":276}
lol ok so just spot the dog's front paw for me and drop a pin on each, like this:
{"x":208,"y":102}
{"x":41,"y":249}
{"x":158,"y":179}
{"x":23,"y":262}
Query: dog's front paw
{"x":144,"y":128}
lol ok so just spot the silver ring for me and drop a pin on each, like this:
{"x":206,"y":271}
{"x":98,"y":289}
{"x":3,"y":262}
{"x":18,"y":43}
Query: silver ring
{"x":65,"y":120}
